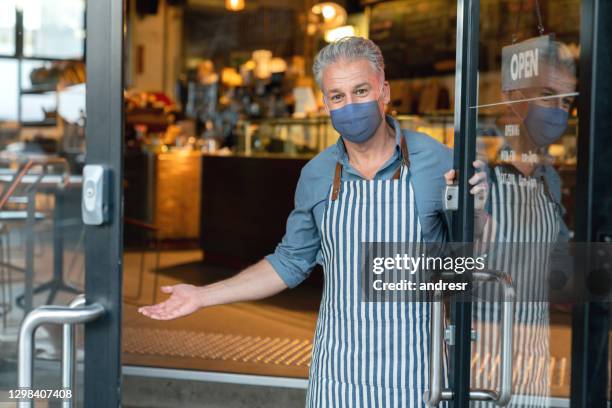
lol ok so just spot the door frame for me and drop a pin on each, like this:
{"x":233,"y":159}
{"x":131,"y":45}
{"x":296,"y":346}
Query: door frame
{"x":104,"y":244}
{"x":590,"y":321}
{"x":462,"y":229}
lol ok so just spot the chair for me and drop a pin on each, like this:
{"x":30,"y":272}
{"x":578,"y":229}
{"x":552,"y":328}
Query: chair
{"x":17,"y":204}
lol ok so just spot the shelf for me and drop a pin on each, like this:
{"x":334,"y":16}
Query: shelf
{"x":41,"y":123}
{"x":38,"y":90}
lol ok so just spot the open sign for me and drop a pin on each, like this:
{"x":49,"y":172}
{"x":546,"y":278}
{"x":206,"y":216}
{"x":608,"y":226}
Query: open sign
{"x":522,"y":63}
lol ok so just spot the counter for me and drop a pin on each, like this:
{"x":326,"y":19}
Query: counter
{"x":235,"y":205}
{"x":163,"y":189}
{"x":245,"y":203}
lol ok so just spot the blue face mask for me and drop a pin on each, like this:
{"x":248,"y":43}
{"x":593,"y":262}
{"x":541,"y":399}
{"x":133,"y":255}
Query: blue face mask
{"x":545,"y":125}
{"x":357,"y":122}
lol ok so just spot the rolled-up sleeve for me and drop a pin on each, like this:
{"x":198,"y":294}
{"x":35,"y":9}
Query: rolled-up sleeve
{"x":296,"y":254}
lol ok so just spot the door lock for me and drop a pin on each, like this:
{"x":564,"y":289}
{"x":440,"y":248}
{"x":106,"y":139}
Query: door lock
{"x":94,"y":201}
{"x":450,"y":200}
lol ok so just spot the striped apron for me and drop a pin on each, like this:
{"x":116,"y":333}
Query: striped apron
{"x":367,"y":354}
{"x":523,"y":211}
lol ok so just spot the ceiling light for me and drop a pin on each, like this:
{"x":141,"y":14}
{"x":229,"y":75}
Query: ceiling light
{"x":340,"y":32}
{"x":328,"y":12}
{"x":331,"y":14}
{"x":234,"y":5}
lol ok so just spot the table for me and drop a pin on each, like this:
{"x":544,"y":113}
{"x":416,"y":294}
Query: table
{"x":47,"y":184}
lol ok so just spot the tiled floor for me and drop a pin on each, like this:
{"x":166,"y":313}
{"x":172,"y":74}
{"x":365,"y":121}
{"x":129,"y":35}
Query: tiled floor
{"x":269,"y":337}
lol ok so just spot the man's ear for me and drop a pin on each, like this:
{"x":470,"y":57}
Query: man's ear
{"x":387,"y":92}
{"x":325,"y":105}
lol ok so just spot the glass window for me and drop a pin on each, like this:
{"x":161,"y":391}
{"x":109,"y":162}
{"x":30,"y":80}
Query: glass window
{"x":38,"y":84}
{"x":54,"y":29}
{"x":8,"y":102}
{"x":7,"y":27}
{"x":527,"y":135}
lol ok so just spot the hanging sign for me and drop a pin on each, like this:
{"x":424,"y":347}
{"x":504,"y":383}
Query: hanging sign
{"x":523,"y":63}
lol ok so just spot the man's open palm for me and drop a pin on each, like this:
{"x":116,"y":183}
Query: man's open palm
{"x":184,"y":299}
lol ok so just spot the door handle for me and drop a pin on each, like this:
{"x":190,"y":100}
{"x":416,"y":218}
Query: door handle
{"x":69,"y":354}
{"x":436,"y":392}
{"x":48,"y":314}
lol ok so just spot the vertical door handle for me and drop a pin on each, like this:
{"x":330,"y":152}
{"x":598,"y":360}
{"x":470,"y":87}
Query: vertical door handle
{"x":436,"y":391}
{"x":501,"y":397}
{"x":69,"y":355}
{"x":41,"y":315}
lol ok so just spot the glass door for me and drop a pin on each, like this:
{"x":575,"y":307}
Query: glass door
{"x":60,"y":67}
{"x":527,"y":76}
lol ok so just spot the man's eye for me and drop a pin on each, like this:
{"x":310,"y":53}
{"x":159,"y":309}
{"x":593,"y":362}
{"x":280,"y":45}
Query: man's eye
{"x":336,"y":98}
{"x":361,"y":92}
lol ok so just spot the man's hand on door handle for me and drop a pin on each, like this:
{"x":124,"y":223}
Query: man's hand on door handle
{"x":480,"y":189}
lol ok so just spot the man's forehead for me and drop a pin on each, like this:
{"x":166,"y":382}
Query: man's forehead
{"x":558,"y":78}
{"x":348,"y":73}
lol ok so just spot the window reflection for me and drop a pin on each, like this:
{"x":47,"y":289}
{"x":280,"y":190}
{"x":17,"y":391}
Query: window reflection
{"x":7,"y":27}
{"x":10,"y":92}
{"x":527,"y":131}
{"x":53,"y":29}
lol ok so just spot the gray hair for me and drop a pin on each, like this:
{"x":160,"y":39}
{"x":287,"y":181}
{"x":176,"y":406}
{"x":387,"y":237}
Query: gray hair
{"x":560,"y":56}
{"x":350,"y":49}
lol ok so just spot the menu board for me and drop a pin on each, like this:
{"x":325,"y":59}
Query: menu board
{"x":417,"y":37}
{"x":414,"y":35}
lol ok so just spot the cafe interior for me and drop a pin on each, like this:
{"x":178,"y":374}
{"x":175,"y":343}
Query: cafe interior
{"x":221,"y":113}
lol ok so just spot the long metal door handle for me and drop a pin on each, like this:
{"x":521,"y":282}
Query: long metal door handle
{"x":41,"y":315}
{"x":437,"y":392}
{"x":502,"y":397}
{"x":69,"y":355}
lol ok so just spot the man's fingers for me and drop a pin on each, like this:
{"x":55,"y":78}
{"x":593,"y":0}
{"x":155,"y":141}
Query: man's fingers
{"x":153,"y":308}
{"x":166,"y":310}
{"x":479,"y":164}
{"x":478,"y":189}
{"x":478,"y":178}
{"x":167,"y":289}
{"x":449,"y":176}
{"x":170,"y":314}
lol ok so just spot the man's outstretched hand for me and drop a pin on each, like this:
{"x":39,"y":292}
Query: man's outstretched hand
{"x":184,"y":299}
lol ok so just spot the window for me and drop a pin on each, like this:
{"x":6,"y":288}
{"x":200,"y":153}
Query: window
{"x":53,"y":29}
{"x":7,"y":27}
{"x":10,"y":89}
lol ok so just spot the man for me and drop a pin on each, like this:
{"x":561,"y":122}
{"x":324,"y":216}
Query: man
{"x":377,"y":183}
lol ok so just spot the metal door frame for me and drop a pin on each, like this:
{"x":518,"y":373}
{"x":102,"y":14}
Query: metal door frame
{"x":104,"y":244}
{"x":466,"y":95}
{"x":590,"y":322}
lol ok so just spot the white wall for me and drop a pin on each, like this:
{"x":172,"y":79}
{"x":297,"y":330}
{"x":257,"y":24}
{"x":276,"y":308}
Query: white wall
{"x":160,"y":39}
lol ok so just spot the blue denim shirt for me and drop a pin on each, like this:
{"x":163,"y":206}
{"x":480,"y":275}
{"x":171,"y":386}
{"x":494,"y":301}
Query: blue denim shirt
{"x":300,"y":248}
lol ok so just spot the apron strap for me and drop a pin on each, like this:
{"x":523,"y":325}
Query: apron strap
{"x":405,"y":159}
{"x":396,"y":175}
{"x":336,"y":185}
{"x":404,"y":150}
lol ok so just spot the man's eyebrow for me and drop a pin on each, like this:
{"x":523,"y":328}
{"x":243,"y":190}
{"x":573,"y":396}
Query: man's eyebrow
{"x":549,"y":90}
{"x":361,"y":85}
{"x":335,"y":90}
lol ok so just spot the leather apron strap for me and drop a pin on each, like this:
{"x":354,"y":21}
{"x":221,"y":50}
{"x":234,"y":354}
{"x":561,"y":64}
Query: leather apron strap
{"x":396,"y":175}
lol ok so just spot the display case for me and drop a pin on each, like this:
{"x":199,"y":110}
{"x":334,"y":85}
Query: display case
{"x":310,"y":136}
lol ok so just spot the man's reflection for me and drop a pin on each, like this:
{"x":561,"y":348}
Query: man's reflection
{"x":541,"y":112}
{"x":522,"y":222}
